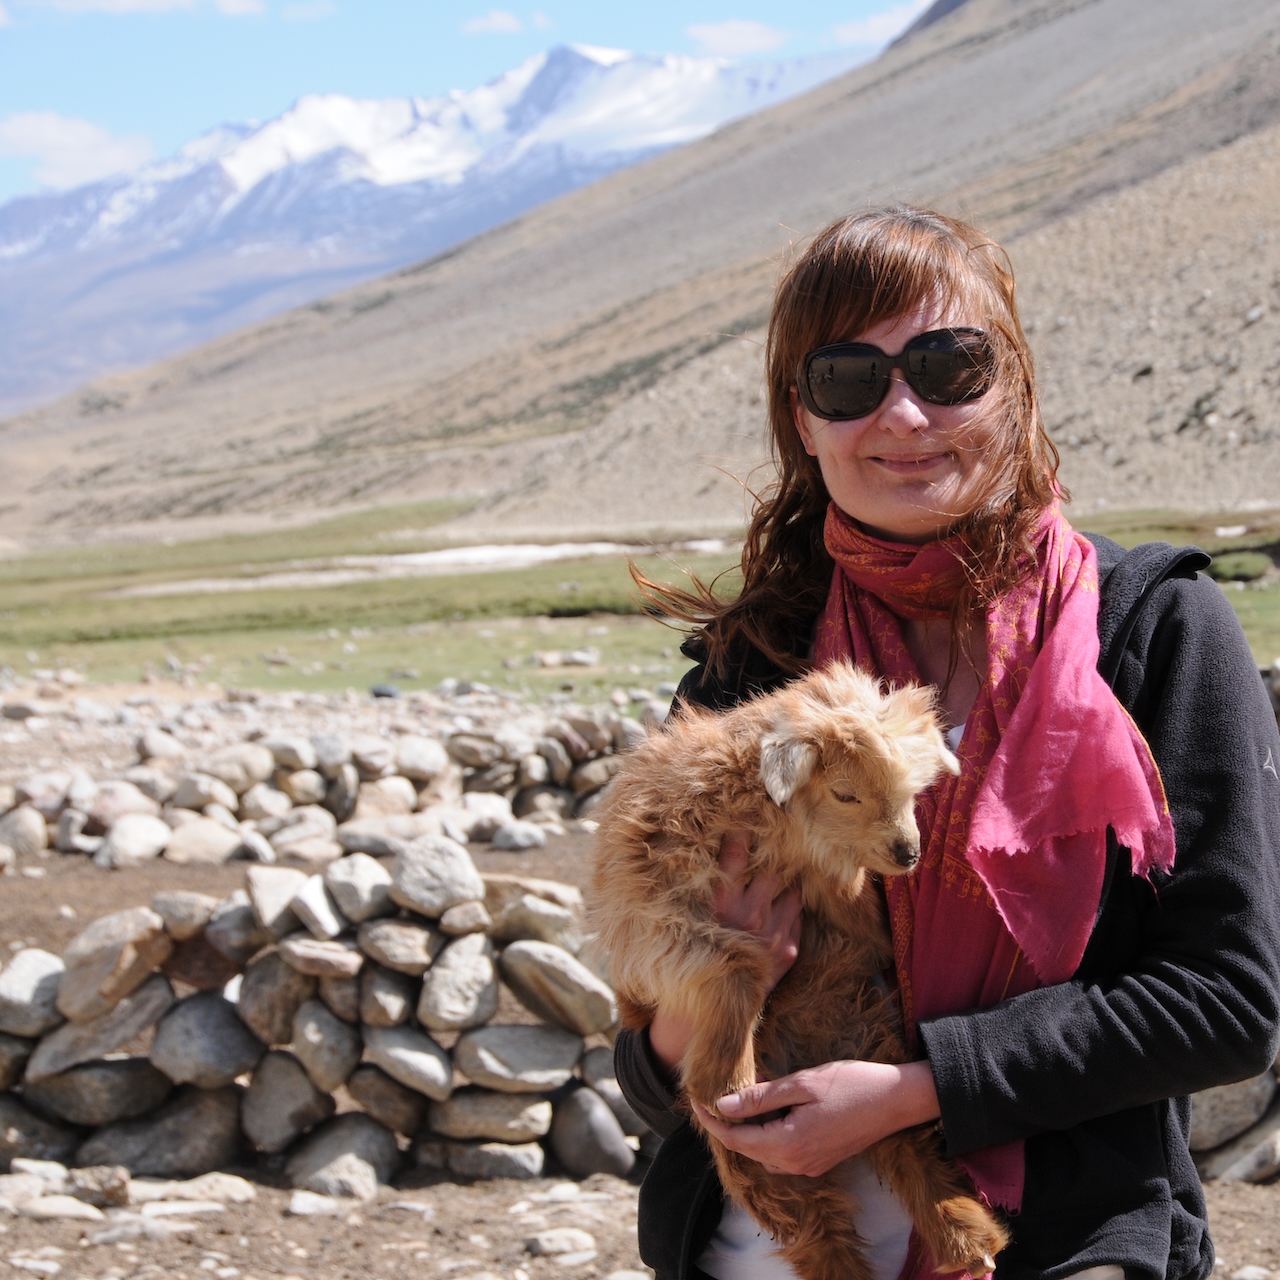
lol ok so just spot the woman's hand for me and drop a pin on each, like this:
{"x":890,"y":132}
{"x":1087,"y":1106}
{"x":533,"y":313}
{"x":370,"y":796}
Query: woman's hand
{"x":760,"y":907}
{"x":836,"y":1111}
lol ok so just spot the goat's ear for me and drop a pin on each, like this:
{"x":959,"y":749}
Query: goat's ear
{"x":786,"y":764}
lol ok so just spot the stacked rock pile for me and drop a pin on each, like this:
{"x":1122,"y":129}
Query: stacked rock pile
{"x":1235,"y":1129}
{"x":475,"y":767}
{"x":337,"y":1020}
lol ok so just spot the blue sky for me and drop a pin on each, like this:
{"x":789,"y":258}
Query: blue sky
{"x":92,"y":86}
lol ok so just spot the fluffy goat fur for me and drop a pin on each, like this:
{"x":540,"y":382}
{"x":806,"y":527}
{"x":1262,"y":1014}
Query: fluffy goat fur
{"x":824,"y":774}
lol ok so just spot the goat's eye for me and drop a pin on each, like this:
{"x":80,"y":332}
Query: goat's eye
{"x":846,"y":797}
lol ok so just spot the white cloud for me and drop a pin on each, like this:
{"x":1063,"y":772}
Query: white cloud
{"x":737,"y":37}
{"x":542,"y":22}
{"x":4,"y":16}
{"x":308,"y":10}
{"x":69,"y":152}
{"x":495,"y":22}
{"x":232,"y":8}
{"x":880,"y":28}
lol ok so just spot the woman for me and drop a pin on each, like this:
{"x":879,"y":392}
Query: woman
{"x":1074,"y":955}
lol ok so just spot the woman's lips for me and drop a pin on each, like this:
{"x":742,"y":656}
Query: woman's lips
{"x":912,"y":462}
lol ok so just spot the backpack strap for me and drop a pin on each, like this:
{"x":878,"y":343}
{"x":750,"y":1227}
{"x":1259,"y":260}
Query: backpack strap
{"x":1127,"y":588}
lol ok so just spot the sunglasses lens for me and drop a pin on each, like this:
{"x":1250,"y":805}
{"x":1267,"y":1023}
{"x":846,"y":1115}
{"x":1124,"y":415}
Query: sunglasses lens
{"x":846,"y":384}
{"x":950,"y":366}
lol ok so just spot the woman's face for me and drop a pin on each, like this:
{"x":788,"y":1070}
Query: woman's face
{"x":909,"y":470}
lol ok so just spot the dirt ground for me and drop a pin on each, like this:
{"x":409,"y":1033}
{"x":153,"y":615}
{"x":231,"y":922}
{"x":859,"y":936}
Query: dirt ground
{"x":427,"y":1225}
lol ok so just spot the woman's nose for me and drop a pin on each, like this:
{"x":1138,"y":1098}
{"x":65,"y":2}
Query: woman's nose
{"x":901,"y":411}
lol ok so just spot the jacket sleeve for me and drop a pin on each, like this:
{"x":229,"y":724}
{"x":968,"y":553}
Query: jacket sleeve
{"x":1181,"y":990}
{"x":643,"y":1082}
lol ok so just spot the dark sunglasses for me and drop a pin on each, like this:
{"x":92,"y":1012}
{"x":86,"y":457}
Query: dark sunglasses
{"x":850,"y":379}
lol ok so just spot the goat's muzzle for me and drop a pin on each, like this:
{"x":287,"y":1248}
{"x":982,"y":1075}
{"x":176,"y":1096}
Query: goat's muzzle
{"x":905,"y":853}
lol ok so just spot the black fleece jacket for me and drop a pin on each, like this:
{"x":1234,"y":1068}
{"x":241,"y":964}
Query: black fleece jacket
{"x":1178,"y":990}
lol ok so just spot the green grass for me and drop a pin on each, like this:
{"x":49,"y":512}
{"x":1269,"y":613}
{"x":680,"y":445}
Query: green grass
{"x":59,"y":608}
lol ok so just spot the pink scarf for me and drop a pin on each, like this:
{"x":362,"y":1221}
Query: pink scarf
{"x":1014,"y":849}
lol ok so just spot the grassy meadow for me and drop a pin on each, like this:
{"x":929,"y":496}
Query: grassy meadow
{"x":65,"y":607}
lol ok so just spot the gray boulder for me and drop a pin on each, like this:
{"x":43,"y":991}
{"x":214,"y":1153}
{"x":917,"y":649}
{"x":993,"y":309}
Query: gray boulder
{"x":373,"y":756}
{"x":291,"y":751}
{"x":472,"y":1114}
{"x":530,"y":918}
{"x":516,"y":1058}
{"x":387,"y":998}
{"x":133,"y":839}
{"x":338,"y":958}
{"x":263,"y":801}
{"x":195,"y":1132}
{"x":201,"y":1041}
{"x":344,"y":791}
{"x":586,"y":1136}
{"x":271,"y":893}
{"x":98,"y":1093}
{"x":388,"y":1101}
{"x":326,"y":1046}
{"x":29,"y":993}
{"x":399,"y":945}
{"x":466,"y":917}
{"x":14,"y":1052}
{"x":517,"y":836}
{"x":461,"y":989}
{"x":184,"y":913}
{"x":349,"y":1156}
{"x":271,"y":993}
{"x":24,"y":830}
{"x":304,"y":786}
{"x":342,"y":996}
{"x":314,"y":905}
{"x":195,"y":790}
{"x":361,"y":887}
{"x":199,"y":964}
{"x":332,"y":751}
{"x":495,"y":1159}
{"x":77,"y":1042}
{"x":555,"y":986}
{"x":110,"y":959}
{"x":433,"y":874}
{"x":25,"y":1135}
{"x":241,"y":766}
{"x":598,"y":1072}
{"x":420,"y":758}
{"x":234,"y":929}
{"x":114,"y":800}
{"x":412,"y":1057}
{"x":281,"y":1104}
{"x":203,"y":842}
{"x":1218,"y":1115}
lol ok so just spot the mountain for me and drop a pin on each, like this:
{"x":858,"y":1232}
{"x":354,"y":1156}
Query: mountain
{"x":249,"y":220}
{"x":592,"y":365}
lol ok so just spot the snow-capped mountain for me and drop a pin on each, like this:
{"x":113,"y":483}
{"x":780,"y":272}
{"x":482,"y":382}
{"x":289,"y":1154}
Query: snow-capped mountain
{"x":250,"y":219}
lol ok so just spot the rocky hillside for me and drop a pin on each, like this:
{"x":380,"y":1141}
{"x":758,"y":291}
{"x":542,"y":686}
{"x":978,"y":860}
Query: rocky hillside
{"x":594,"y":364}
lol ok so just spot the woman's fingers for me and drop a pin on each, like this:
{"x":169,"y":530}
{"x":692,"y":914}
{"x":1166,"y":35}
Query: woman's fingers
{"x":765,"y":1096}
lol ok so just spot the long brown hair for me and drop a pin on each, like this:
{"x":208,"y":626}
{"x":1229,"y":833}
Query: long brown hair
{"x":867,"y":268}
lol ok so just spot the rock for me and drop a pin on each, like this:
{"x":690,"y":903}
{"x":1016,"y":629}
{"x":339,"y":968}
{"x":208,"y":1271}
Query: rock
{"x":315,"y":907}
{"x":306,"y":1204}
{"x":60,"y":1208}
{"x":348,"y":1156}
{"x":407,"y":948}
{"x":70,"y":834}
{"x":388,"y":1101}
{"x":115,"y":800}
{"x":105,"y":1185}
{"x":152,"y":782}
{"x":387,"y":998}
{"x":255,"y":847}
{"x":309,"y":835}
{"x":291,"y":751}
{"x":444,"y":788}
{"x":24,"y":831}
{"x":497,"y":779}
{"x":234,"y":929}
{"x":184,"y":913}
{"x":195,"y":790}
{"x":336,"y":959}
{"x":1218,"y":1115}
{"x":480,"y":1113}
{"x":361,"y":887}
{"x":45,"y":792}
{"x":530,"y":918}
{"x":29,"y":993}
{"x":201,"y":1041}
{"x":389,"y":797}
{"x":461,"y":989}
{"x":304,"y":786}
{"x":156,"y":744}
{"x":552,"y":984}
{"x":372,"y":756}
{"x":433,"y":874}
{"x":132,"y":840}
{"x":203,"y":842}
{"x":534,"y":771}
{"x":628,"y":734}
{"x":198,"y":963}
{"x":342,"y":997}
{"x":281,"y":1104}
{"x":420,"y":759}
{"x":271,"y":893}
{"x":412,"y":1057}
{"x":98,"y":1093}
{"x":594,"y":774}
{"x":241,"y":766}
{"x":466,"y":917}
{"x":519,"y":836}
{"x":271,"y":994}
{"x":332,"y":752}
{"x":558,"y":759}
{"x":598,"y":1072}
{"x":8,"y":860}
{"x":222,"y":816}
{"x":516,"y":1058}
{"x":53,"y":1173}
{"x":343,"y":792}
{"x":264,"y":801}
{"x":1252,"y":1157}
{"x":77,"y":1042}
{"x":17,"y":1188}
{"x":559,"y":1240}
{"x":474,"y":752}
{"x":488,"y":811}
{"x":587,"y":1138}
{"x":501,"y":891}
{"x":387,"y":837}
{"x":222,"y":1188}
{"x":14,"y":1052}
{"x":109,"y":959}
{"x":25,"y":1134}
{"x":495,"y":1159}
{"x":326,"y":1046}
{"x":195,"y":1132}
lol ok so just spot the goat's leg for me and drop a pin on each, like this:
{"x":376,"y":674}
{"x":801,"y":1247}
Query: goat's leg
{"x":959,"y":1231}
{"x":722,"y":1006}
